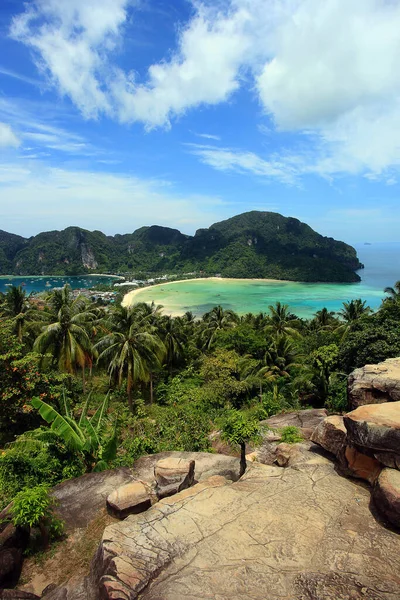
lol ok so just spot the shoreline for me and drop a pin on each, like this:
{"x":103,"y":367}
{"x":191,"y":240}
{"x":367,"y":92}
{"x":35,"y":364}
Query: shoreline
{"x":127,"y":299}
{"x":60,"y":276}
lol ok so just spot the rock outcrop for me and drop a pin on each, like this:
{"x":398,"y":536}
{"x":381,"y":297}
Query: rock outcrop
{"x":375,"y":384}
{"x":301,"y":533}
{"x":386,"y":495}
{"x":173,"y":475}
{"x":206,"y":465}
{"x":331,"y":435}
{"x":13,"y":542}
{"x":375,"y":426}
{"x":81,"y":499}
{"x":306,"y":420}
{"x":129,"y":499}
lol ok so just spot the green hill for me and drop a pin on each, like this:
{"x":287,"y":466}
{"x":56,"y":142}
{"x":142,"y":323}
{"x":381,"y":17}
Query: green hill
{"x":253,"y":244}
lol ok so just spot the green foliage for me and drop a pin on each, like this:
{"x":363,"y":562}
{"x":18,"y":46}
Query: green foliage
{"x":93,"y":438}
{"x":34,"y":507}
{"x":291,"y":435}
{"x":337,"y":401}
{"x":21,"y":378}
{"x":181,"y":427}
{"x":237,"y":428}
{"x":41,"y":464}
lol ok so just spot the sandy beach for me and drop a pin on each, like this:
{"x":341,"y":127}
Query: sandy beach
{"x":131,"y":297}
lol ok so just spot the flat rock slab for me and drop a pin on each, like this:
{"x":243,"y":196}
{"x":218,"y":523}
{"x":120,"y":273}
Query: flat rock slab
{"x":306,"y":420}
{"x":375,"y":426}
{"x":80,"y":500}
{"x":302,"y":533}
{"x":129,"y":499}
{"x":386,"y":495}
{"x":375,"y":384}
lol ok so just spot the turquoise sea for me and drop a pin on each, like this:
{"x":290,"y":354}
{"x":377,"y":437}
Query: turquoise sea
{"x":40,"y":284}
{"x":382,"y":269}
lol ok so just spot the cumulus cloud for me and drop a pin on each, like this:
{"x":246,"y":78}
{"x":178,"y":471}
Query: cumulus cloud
{"x":8,"y":137}
{"x":325,"y":69}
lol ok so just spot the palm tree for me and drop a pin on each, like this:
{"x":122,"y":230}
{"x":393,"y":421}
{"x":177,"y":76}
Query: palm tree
{"x":18,"y":308}
{"x":131,"y":348}
{"x":394,"y":292}
{"x":216,"y":320}
{"x":351,"y":313}
{"x":281,"y":320}
{"x":67,"y":335}
{"x":324,"y":319}
{"x":174,"y":340}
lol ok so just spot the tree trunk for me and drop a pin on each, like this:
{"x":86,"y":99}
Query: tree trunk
{"x":151,"y":388}
{"x":83,"y":380}
{"x":130,"y":400}
{"x":261,"y":392}
{"x":243,"y":463}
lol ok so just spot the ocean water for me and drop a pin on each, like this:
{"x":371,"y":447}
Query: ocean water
{"x":382,"y":269}
{"x":40,"y":284}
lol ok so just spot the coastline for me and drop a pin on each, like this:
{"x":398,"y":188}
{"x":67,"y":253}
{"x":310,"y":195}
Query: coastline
{"x":60,"y":276}
{"x":128,"y":298}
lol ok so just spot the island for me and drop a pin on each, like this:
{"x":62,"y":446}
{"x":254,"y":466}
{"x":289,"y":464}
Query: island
{"x":254,"y":244}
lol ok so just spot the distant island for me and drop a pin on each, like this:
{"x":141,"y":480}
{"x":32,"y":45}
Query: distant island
{"x":250,"y":245}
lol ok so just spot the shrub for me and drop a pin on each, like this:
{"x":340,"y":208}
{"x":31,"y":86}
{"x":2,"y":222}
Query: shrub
{"x":20,"y":469}
{"x":291,"y":435}
{"x":34,"y":507}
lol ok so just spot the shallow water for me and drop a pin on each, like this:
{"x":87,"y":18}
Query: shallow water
{"x":382,"y":268}
{"x":40,"y":284}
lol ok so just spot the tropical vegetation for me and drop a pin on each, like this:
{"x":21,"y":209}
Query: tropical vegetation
{"x":85,"y":387}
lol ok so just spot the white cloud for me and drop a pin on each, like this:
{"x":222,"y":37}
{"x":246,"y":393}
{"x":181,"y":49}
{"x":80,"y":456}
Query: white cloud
{"x":327,"y":69}
{"x":89,"y":199}
{"x":334,"y":73}
{"x":276,"y":167}
{"x":209,"y":136}
{"x":8,"y":137}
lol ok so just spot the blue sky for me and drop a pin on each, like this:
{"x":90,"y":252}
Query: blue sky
{"x":120,"y":113}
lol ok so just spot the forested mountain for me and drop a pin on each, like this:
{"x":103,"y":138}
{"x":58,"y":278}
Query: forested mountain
{"x":253,"y":244}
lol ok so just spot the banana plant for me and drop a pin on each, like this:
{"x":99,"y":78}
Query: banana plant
{"x":94,"y":438}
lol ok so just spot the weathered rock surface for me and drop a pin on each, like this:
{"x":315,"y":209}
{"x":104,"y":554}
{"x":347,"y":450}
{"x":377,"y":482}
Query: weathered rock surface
{"x":361,"y":465}
{"x":129,"y":499}
{"x":173,"y":475}
{"x":13,"y":541}
{"x":375,"y":426}
{"x":10,"y":566}
{"x":375,"y":384}
{"x":17,"y":595}
{"x":386,"y":495}
{"x":302,"y":533}
{"x":331,"y":435}
{"x":206,"y":465}
{"x":81,"y":499}
{"x":306,"y":420}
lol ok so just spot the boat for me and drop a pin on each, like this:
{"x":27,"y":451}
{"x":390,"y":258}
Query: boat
{"x":47,"y":284}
